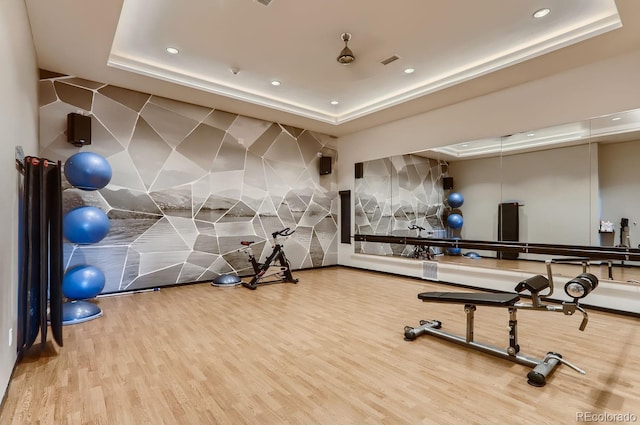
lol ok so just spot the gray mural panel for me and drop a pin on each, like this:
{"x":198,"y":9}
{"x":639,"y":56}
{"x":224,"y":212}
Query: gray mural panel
{"x":133,"y":100}
{"x":266,"y":139}
{"x":189,"y":184}
{"x":247,"y":129}
{"x":220,"y":119}
{"x":175,"y":201}
{"x":168,"y":276}
{"x":172,"y":127}
{"x":46,"y":93}
{"x":202,"y":145}
{"x":231,"y":155}
{"x":73,"y":95}
{"x":206,"y":244}
{"x":190,"y":273}
{"x":160,"y":237}
{"x":115,"y":116}
{"x":189,"y":110}
{"x":148,"y":152}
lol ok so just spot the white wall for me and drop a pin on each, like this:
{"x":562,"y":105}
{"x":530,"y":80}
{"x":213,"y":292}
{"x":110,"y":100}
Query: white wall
{"x":18,"y":126}
{"x":597,"y":89}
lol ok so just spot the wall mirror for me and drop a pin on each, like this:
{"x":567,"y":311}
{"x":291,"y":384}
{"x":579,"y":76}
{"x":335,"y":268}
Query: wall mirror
{"x":574,"y":184}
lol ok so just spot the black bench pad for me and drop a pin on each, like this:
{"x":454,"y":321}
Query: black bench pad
{"x":497,"y":300}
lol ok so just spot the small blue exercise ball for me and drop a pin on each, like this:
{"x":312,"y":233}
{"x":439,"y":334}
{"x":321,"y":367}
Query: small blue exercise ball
{"x":455,"y":200}
{"x":82,"y":282}
{"x":455,"y":221}
{"x":87,"y":171}
{"x":85,"y":225}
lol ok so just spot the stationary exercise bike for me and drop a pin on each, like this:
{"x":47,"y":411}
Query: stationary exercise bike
{"x":282,"y":273}
{"x":420,"y":251}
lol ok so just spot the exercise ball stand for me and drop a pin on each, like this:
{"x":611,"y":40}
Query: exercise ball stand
{"x":84,"y":225}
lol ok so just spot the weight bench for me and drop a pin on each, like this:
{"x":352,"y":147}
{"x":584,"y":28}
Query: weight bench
{"x":577,"y":288}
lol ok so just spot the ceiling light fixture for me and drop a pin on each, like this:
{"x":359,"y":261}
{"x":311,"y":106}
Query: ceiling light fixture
{"x":409,"y":70}
{"x":346,"y":55}
{"x":541,"y":13}
{"x":616,"y":119}
{"x":334,"y":102}
{"x":275,"y":83}
{"x":172,"y":50}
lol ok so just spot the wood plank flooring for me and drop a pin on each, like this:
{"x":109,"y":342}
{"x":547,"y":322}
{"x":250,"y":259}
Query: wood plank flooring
{"x":328,"y":350}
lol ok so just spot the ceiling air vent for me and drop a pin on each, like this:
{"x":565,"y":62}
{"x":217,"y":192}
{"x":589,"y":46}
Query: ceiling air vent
{"x":265,"y":2}
{"x":390,"y":59}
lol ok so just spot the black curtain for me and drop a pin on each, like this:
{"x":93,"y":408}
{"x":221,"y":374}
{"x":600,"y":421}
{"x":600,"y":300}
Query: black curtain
{"x":40,"y":287}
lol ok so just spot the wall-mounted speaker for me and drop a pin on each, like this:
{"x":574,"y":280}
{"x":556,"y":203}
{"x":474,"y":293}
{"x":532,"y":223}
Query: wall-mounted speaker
{"x":325,"y":165}
{"x":79,"y":129}
{"x":447,"y":183}
{"x":359,"y":170}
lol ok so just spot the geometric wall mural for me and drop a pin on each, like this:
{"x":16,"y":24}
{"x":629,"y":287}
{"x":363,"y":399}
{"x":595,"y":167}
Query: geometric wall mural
{"x":395,"y":193}
{"x":189,"y":183}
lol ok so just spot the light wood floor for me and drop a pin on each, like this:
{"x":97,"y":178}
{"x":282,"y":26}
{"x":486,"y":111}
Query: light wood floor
{"x":328,"y":350}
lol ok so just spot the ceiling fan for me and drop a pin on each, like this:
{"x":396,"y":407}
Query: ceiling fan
{"x":346,"y":56}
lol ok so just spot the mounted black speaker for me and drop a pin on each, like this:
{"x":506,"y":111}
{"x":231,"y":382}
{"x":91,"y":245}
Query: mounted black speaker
{"x":79,"y":129}
{"x":325,"y":165}
{"x":359,"y":170}
{"x":447,"y":183}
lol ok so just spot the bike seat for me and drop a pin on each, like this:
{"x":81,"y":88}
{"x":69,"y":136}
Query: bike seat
{"x":246,"y":243}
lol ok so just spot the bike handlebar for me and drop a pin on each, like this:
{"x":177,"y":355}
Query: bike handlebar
{"x":284,"y":232}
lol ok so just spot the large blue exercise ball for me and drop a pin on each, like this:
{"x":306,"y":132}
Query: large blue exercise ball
{"x":85,"y":225}
{"x":455,"y":221}
{"x":455,"y":200}
{"x":82,"y":282}
{"x":87,"y":171}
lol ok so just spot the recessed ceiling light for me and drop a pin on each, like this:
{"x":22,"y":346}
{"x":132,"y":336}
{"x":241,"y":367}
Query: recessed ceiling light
{"x":172,"y":50}
{"x":531,"y":134}
{"x":334,"y":102}
{"x":409,"y":70}
{"x":541,"y":13}
{"x":275,"y":83}
{"x":616,"y":119}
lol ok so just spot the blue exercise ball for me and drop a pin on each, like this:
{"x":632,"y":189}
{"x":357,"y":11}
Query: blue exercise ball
{"x":455,"y":200}
{"x":87,"y":171}
{"x":455,"y":221}
{"x":82,"y":282}
{"x":85,"y":225}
